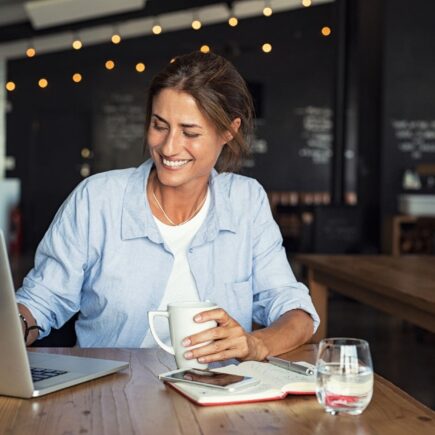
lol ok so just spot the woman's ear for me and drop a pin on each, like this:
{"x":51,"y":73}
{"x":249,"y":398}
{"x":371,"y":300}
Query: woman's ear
{"x":235,"y":125}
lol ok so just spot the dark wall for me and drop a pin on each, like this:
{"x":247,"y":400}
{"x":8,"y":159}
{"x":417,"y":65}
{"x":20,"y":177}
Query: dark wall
{"x":408,"y":136}
{"x":47,"y":128}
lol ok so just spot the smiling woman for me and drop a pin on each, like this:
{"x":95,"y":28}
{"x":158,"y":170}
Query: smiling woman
{"x":185,"y":147}
{"x":195,"y":109}
{"x":219,"y":93}
{"x":175,"y":229}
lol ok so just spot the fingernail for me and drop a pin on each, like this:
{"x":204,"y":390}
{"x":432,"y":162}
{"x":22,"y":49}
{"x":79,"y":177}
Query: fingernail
{"x":202,"y":359}
{"x":188,"y":355}
{"x":185,"y":342}
{"x":197,"y":318}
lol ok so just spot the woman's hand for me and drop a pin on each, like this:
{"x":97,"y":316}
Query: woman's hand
{"x":228,"y":340}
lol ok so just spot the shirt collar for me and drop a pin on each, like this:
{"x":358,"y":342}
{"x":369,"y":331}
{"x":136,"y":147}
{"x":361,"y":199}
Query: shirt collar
{"x":137,"y":219}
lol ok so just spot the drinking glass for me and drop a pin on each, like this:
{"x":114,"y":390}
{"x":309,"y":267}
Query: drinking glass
{"x":344,"y":375}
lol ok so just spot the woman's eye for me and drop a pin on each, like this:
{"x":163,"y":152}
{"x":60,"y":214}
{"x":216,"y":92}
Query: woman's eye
{"x":190,"y":135}
{"x":159,"y":127}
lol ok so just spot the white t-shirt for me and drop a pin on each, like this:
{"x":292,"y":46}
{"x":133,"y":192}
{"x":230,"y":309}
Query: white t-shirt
{"x":181,"y":286}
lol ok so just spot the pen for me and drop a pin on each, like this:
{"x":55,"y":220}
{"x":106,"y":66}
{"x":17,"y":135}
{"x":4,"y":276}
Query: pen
{"x":288,"y":365}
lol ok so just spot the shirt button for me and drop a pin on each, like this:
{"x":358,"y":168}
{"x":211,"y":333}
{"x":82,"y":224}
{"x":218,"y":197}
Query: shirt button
{"x":190,"y":250}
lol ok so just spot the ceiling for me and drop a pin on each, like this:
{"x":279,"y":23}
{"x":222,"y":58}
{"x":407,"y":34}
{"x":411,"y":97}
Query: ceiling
{"x":29,"y":18}
{"x":50,"y":13}
{"x":54,"y":13}
{"x":49,"y":25}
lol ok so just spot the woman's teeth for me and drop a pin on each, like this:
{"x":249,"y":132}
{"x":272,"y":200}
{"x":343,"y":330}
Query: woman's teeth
{"x":174,"y":163}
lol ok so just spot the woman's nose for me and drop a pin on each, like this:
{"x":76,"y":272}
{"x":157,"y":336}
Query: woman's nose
{"x":170,"y":145}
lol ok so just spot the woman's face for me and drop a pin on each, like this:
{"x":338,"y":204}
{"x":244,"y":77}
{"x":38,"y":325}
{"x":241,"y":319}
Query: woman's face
{"x":183,"y":143}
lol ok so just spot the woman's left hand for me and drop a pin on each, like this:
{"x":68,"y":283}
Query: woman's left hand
{"x":228,"y":340}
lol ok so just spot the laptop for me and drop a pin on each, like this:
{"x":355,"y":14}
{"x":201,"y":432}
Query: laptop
{"x":33,"y":374}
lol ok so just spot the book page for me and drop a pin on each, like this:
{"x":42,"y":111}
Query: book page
{"x":274,"y":377}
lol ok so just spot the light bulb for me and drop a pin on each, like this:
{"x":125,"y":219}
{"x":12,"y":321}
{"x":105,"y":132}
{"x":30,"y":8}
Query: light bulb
{"x":326,"y":31}
{"x":140,"y":67}
{"x":157,"y":29}
{"x":30,"y":52}
{"x":116,"y":38}
{"x":233,"y":21}
{"x":43,"y":83}
{"x":77,"y":44}
{"x":77,"y":78}
{"x":196,"y":24}
{"x":110,"y":64}
{"x":10,"y":86}
{"x":267,"y":11}
{"x":266,"y":47}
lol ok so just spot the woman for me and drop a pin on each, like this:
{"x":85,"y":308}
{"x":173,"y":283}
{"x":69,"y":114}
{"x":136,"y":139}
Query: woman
{"x":129,"y":241}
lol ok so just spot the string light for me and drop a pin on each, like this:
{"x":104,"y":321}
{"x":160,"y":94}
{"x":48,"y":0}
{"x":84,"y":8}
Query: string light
{"x":10,"y":86}
{"x":43,"y":83}
{"x":85,"y":170}
{"x":196,"y":24}
{"x":110,"y":64}
{"x":204,"y":48}
{"x":85,"y":153}
{"x":266,"y":47}
{"x":157,"y":28}
{"x":306,"y":3}
{"x":233,"y":21}
{"x":77,"y":78}
{"x":267,"y":10}
{"x":116,"y":38}
{"x":77,"y":43}
{"x":30,"y":52}
{"x":326,"y":31}
{"x":140,"y":67}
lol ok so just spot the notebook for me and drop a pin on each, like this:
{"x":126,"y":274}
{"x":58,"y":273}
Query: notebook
{"x":51,"y":372}
{"x":275,"y":384}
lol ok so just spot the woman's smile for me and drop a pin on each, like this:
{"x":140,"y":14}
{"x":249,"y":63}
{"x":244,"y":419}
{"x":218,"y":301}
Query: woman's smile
{"x":174,"y":164}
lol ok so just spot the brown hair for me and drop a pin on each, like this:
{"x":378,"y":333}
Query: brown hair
{"x":221,"y":94}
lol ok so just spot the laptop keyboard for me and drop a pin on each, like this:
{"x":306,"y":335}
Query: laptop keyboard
{"x":42,"y":374}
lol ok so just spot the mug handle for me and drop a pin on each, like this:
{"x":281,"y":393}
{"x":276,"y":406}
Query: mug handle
{"x":151,"y":316}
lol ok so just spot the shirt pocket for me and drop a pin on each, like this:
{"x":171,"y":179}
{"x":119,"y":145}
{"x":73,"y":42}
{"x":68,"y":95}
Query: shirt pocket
{"x":239,"y":302}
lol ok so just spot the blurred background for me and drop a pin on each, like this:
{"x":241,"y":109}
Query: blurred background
{"x":344,"y":138}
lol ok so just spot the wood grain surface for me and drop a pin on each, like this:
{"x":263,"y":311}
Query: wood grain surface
{"x":136,"y":402}
{"x":402,"y":286}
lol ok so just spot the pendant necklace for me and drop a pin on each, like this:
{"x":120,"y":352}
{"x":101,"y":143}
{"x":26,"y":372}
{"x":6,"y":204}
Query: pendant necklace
{"x":169,"y":219}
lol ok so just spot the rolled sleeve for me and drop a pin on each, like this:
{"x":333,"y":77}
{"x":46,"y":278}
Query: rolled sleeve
{"x":276,"y":289}
{"x":271,"y":304}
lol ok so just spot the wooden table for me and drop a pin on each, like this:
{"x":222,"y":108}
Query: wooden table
{"x":401,"y":286}
{"x":136,"y":402}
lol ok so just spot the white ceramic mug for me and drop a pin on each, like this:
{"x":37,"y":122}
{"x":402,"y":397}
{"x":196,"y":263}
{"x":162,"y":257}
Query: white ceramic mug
{"x":181,"y":325}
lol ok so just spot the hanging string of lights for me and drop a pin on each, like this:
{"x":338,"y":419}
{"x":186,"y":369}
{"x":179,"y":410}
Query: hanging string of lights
{"x":156,"y":29}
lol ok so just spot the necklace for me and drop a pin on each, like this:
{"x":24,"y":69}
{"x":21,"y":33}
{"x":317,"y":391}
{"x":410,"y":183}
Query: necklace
{"x":169,"y":219}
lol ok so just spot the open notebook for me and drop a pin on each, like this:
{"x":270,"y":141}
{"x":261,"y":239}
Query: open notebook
{"x":275,"y":383}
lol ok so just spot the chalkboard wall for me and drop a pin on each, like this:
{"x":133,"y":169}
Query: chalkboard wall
{"x":408,"y":93}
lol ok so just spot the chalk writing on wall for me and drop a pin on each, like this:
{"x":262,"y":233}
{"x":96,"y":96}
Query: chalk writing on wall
{"x":316,"y":133}
{"x":415,"y":137}
{"x":118,"y":130}
{"x":124,"y":121}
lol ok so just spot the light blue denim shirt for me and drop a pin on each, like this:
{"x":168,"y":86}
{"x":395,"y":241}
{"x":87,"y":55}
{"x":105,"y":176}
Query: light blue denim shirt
{"x":104,"y":256}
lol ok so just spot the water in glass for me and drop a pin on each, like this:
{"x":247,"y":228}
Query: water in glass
{"x":344,"y":375}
